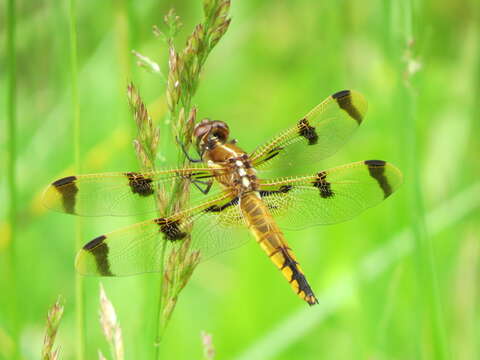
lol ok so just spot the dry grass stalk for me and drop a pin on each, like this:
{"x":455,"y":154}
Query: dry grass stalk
{"x":184,"y":69}
{"x":110,"y":326}
{"x":53,"y":322}
{"x":148,"y":137}
{"x":146,"y":143}
{"x":147,"y":63}
{"x":179,"y":268}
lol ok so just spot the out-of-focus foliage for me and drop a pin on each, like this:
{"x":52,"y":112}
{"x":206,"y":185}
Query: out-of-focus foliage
{"x":418,"y":65}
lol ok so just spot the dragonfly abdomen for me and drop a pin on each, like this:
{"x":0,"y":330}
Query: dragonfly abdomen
{"x":272,"y":241}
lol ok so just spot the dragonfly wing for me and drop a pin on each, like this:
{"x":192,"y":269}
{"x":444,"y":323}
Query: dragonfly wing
{"x":317,"y":135}
{"x":119,"y":194}
{"x":139,"y":248}
{"x":330,"y":196}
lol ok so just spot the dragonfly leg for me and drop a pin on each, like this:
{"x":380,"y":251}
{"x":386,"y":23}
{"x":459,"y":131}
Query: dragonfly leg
{"x":182,"y":146}
{"x":208,"y":184}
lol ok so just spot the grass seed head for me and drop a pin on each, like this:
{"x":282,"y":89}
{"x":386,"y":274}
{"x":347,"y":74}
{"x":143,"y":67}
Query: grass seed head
{"x":53,"y":322}
{"x":110,"y":325}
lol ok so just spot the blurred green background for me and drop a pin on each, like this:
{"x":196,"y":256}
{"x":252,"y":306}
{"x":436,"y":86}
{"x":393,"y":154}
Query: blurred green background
{"x":398,"y":282}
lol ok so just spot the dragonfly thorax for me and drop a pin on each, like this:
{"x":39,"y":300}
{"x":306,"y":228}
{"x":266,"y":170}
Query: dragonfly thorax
{"x":235,"y":171}
{"x":244,"y":177}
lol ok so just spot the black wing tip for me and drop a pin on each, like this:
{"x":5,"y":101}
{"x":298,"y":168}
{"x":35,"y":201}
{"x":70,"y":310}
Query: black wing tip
{"x":344,"y":101}
{"x":376,"y":168}
{"x":94,"y":243}
{"x":64,"y":181}
{"x":375,"y":163}
{"x":340,"y":94}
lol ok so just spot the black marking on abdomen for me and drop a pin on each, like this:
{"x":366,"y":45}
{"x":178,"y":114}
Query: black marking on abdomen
{"x":99,"y":249}
{"x":376,"y":168}
{"x":170,"y":229}
{"x":307,"y":131}
{"x":139,"y":184}
{"x":298,"y":277}
{"x":218,"y":208}
{"x":344,"y":100}
{"x":323,"y":185}
{"x":68,"y":189}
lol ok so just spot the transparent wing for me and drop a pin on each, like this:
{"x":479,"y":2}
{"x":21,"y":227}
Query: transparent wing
{"x":119,"y":194}
{"x":330,"y":196}
{"x":215,"y":226}
{"x":317,"y":135}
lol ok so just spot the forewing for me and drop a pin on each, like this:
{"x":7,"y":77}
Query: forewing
{"x":317,"y":135}
{"x":213,"y":225}
{"x":119,"y":194}
{"x":330,"y":196}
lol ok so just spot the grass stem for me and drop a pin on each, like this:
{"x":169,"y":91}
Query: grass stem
{"x":11,"y":114}
{"x":79,"y":288}
{"x":159,"y":326}
{"x":428,"y":287}
{"x":185,"y":67}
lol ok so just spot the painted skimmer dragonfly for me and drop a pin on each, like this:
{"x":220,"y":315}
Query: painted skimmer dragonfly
{"x":245,"y":199}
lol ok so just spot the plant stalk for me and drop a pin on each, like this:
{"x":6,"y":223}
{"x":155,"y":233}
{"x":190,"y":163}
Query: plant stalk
{"x":79,"y":286}
{"x":11,"y":115}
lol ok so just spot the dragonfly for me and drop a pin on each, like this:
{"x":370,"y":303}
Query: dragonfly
{"x":244,"y":201}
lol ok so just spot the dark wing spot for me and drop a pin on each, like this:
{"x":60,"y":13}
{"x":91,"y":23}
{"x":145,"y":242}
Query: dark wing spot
{"x":323,"y":185}
{"x":272,"y":153}
{"x":99,"y":249}
{"x":341,"y":94}
{"x":285,"y":188}
{"x":197,"y":175}
{"x":93,"y":243}
{"x":219,"y":208}
{"x":68,"y":189}
{"x":344,"y":100}
{"x":203,"y":177}
{"x":64,"y":181}
{"x":307,"y":131}
{"x":281,"y":190}
{"x":375,"y":162}
{"x":170,"y":229}
{"x":139,"y":184}
{"x":376,"y":168}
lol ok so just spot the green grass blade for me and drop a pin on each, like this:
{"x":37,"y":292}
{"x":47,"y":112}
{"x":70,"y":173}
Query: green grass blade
{"x":79,"y":286}
{"x":11,"y":115}
{"x":428,"y":285}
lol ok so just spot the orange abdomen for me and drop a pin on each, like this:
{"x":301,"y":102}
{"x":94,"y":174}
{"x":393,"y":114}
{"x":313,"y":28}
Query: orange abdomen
{"x":272,"y":241}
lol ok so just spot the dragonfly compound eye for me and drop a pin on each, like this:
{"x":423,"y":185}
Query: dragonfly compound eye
{"x":220,"y":130}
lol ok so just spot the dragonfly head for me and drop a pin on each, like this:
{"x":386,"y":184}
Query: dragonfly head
{"x":208,"y":132}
